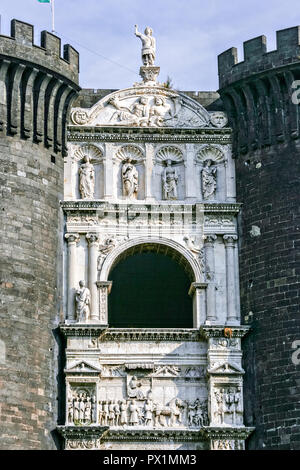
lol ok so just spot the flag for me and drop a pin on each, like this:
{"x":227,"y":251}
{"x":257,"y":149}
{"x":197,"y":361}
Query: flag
{"x":44,"y":1}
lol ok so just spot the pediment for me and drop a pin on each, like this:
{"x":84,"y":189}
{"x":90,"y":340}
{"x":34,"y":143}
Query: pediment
{"x":166,"y":371}
{"x":225,"y":368}
{"x":82,"y":366}
{"x":146,"y":106}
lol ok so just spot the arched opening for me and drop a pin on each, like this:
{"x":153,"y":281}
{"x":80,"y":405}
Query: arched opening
{"x":150,"y":289}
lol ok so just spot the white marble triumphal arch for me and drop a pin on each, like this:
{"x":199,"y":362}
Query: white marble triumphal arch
{"x":150,"y":170}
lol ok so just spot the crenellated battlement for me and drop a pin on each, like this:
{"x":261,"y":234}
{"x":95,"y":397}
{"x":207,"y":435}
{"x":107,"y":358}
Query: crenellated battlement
{"x":37,"y":86}
{"x":257,"y":59}
{"x":20,"y":46}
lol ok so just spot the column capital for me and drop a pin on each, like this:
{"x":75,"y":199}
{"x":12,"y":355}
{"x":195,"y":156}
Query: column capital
{"x":72,"y":237}
{"x":229,"y":239}
{"x":210,"y":238}
{"x":107,"y":284}
{"x":197,"y":285}
{"x":92,"y":238}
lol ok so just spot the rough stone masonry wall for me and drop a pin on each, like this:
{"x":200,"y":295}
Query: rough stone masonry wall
{"x":257,"y":96}
{"x":34,"y":104}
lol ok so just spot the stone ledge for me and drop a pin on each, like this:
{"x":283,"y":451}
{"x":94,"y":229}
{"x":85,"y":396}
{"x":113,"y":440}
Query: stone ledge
{"x":239,"y":432}
{"x":154,"y":435}
{"x":219,"y":331}
{"x":131,"y":334}
{"x":82,"y":432}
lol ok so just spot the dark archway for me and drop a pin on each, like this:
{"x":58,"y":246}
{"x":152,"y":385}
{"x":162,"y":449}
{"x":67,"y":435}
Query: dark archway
{"x":150,"y":290}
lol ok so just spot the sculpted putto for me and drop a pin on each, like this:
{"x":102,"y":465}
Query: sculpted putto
{"x":148,"y":45}
{"x":87,"y":179}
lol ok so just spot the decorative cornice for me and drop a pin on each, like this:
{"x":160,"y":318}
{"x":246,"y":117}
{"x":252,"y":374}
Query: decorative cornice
{"x":224,"y":332}
{"x":145,"y":334}
{"x":82,"y":432}
{"x":104,"y":206}
{"x":232,"y":208}
{"x":158,"y":435}
{"x":130,"y":334}
{"x":135,"y":134}
{"x":227,"y":432}
{"x":75,"y":329}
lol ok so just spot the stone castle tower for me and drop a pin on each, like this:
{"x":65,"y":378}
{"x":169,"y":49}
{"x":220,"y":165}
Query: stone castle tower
{"x":257,"y":94}
{"x":37,"y":86}
{"x":149,"y":213}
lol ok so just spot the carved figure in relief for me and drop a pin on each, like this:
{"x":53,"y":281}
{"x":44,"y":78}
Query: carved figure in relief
{"x":81,"y":408}
{"x":191,"y":413}
{"x":111,"y":413}
{"x":76,"y":409}
{"x":87,"y":179}
{"x":159,"y":112}
{"x":117,"y":414}
{"x":148,"y":45}
{"x":130,"y":179}
{"x":82,"y":300}
{"x":148,"y":409}
{"x":169,"y":181}
{"x":70,"y":410}
{"x":93,"y":411}
{"x":134,"y":415}
{"x":105,"y":413}
{"x":209,"y":179}
{"x":219,"y":395}
{"x":134,"y":390}
{"x":87,"y":410}
{"x":172,"y":411}
{"x":123,"y":416}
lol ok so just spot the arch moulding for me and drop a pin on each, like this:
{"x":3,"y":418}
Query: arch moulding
{"x":185,"y":255}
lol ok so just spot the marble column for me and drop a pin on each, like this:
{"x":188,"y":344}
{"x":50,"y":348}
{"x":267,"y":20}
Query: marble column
{"x":72,"y":239}
{"x":108,"y":171}
{"x":197,"y":292}
{"x":230,"y":246}
{"x":104,"y":288}
{"x":149,"y":161}
{"x":189,"y":167}
{"x":210,"y":275}
{"x":92,"y":239}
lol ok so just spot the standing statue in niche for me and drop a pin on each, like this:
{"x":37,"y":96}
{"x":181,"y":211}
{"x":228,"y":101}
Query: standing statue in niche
{"x":209,"y":179}
{"x":169,"y":181}
{"x":83,"y":300}
{"x":87,"y":179}
{"x":148,"y":46}
{"x":130,"y":180}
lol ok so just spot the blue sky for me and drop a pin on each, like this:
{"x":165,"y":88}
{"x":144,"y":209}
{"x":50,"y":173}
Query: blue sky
{"x":189,"y":34}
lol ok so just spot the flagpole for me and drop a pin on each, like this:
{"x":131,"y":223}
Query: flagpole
{"x":52,"y":11}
